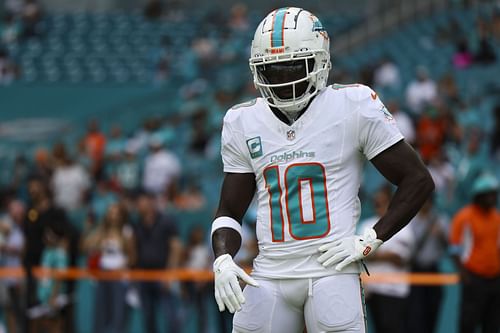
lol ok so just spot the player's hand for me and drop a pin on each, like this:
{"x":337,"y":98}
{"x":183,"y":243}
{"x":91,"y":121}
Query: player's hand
{"x":349,"y":249}
{"x":228,"y":292}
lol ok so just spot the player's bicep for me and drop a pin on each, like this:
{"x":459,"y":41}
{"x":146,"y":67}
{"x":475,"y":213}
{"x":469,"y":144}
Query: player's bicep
{"x":400,"y":161}
{"x":237,"y":192}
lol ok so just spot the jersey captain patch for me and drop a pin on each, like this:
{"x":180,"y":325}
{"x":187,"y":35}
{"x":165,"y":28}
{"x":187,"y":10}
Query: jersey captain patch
{"x":254,"y":147}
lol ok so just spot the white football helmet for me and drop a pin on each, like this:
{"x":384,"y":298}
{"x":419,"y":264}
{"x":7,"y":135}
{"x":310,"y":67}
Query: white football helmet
{"x":290,"y":58}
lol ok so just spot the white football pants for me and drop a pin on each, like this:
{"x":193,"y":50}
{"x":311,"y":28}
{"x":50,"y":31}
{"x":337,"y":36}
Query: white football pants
{"x":328,"y":304}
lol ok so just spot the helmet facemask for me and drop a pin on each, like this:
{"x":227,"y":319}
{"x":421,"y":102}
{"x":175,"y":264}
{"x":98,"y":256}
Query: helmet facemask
{"x":290,"y":82}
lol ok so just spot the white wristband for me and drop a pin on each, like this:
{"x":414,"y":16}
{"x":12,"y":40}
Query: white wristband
{"x":225,"y":222}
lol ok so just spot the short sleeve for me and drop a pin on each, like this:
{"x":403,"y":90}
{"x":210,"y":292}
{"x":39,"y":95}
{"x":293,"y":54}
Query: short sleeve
{"x":377,"y":128}
{"x":232,"y":151}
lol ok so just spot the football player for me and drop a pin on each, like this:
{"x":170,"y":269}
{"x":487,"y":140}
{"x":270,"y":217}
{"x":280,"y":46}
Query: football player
{"x":299,"y":149}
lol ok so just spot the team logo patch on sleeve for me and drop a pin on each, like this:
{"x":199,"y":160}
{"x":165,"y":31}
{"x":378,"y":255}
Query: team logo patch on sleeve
{"x":387,"y":114}
{"x":254,"y":147}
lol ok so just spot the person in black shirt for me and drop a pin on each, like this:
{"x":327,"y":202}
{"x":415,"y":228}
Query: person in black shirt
{"x":41,"y":215}
{"x":158,"y":247}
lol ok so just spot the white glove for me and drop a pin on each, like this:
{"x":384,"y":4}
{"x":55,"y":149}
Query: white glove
{"x":349,"y":249}
{"x":227,"y":288}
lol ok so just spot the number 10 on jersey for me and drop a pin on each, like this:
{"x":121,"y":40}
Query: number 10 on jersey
{"x":306,"y":201}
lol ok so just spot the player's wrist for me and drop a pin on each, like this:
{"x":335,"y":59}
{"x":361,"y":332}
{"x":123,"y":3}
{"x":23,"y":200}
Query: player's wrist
{"x":370,"y":235}
{"x":222,"y":260}
{"x":370,"y":242}
{"x":226,"y":236}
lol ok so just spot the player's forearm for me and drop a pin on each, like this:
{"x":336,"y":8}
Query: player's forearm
{"x":411,"y":194}
{"x":226,"y":240}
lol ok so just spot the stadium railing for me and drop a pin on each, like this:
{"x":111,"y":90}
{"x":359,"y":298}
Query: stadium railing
{"x":206,"y":275}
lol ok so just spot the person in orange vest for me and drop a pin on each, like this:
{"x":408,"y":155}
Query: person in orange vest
{"x":475,"y":245}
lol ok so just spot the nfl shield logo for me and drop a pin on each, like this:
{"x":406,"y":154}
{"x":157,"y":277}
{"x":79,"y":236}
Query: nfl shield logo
{"x":290,"y":135}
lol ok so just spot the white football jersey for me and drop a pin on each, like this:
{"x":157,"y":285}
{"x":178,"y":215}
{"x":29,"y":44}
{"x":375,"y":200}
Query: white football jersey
{"x":308,"y":174}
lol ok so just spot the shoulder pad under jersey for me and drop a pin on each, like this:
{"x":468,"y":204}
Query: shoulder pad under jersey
{"x":356,"y":92}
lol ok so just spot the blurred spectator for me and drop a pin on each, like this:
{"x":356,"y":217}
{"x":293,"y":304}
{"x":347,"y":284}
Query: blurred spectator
{"x":161,"y":170}
{"x":102,"y":198}
{"x":113,"y":243}
{"x":10,"y":29}
{"x":463,"y":57}
{"x":198,"y":257}
{"x":468,"y":119}
{"x":43,"y":165}
{"x":41,"y":214}
{"x":367,"y":74}
{"x":469,"y":166}
{"x":475,"y":244}
{"x":116,"y":143}
{"x":485,"y":53}
{"x":31,"y":16}
{"x":191,"y":198}
{"x":454,"y":130}
{"x":127,"y":171}
{"x":162,"y":70}
{"x":386,"y":75}
{"x":431,"y":130}
{"x":48,"y":315}
{"x":443,"y":175}
{"x":14,"y":6}
{"x":205,"y":51}
{"x":403,"y":121}
{"x":495,"y":135}
{"x":153,"y":9}
{"x":199,"y":135}
{"x":448,"y":90}
{"x":420,"y":92}
{"x":11,"y":250}
{"x":95,"y":144}
{"x":392,"y":257}
{"x":496,"y":24}
{"x":70,"y":181}
{"x":141,"y":138}
{"x":21,"y":171}
{"x":238,"y":20}
{"x":162,"y":58}
{"x":450,"y":31}
{"x":158,"y":247}
{"x":8,"y":69}
{"x":431,"y":241}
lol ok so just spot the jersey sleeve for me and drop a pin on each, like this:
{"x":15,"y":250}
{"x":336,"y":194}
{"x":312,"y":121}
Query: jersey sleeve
{"x":234,"y":157}
{"x":377,"y":128}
